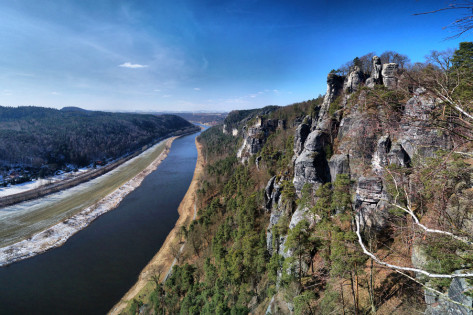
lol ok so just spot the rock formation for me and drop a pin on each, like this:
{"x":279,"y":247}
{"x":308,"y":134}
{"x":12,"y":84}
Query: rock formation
{"x":375,"y":77}
{"x":389,"y":74}
{"x":353,"y":80}
{"x":254,"y":137}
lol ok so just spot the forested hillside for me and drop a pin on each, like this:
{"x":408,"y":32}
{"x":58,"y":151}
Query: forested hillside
{"x":358,"y":202}
{"x":35,"y":136}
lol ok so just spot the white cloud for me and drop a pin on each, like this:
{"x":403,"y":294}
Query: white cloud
{"x":54,"y":93}
{"x":196,"y":89}
{"x":276,"y":91}
{"x":167,"y":95}
{"x":132,"y":65}
{"x":156,"y":90}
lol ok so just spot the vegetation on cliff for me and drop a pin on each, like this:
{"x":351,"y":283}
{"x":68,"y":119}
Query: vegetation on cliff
{"x":356,"y":203}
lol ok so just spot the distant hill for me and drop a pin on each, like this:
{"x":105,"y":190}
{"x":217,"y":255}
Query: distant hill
{"x":34,"y":136}
{"x":210,"y":119}
{"x":73,"y":109}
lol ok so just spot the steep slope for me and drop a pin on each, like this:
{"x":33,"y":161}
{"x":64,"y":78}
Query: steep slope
{"x":344,"y":204}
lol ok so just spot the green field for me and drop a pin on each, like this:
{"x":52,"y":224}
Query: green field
{"x":21,"y":221}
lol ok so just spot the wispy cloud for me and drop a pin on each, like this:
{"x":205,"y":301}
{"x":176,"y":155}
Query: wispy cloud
{"x":196,"y":89}
{"x":132,"y":65}
{"x":55,"y":93}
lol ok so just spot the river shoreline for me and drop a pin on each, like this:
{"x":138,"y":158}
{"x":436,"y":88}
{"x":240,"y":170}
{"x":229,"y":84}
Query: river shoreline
{"x":163,"y":261}
{"x":59,"y":233}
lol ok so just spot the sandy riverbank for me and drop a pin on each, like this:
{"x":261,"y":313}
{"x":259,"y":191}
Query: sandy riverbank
{"x":163,"y":260}
{"x":58,"y":234}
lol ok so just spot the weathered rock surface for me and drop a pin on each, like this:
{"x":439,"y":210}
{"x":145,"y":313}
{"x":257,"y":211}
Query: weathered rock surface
{"x":417,"y":136}
{"x":273,"y":220}
{"x":370,"y":202}
{"x":438,"y":305}
{"x":339,"y":164}
{"x":300,"y":137}
{"x":254,"y":137}
{"x":389,"y":75}
{"x":353,"y":80}
{"x":311,"y":165}
{"x":334,"y":87}
{"x":375,"y":77}
{"x":380,"y":156}
{"x":268,"y":193}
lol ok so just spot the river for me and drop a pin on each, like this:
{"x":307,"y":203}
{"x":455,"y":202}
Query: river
{"x":96,"y":266}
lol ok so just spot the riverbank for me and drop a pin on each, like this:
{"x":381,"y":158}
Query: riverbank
{"x":58,"y":234}
{"x":163,"y":261}
{"x":7,"y":199}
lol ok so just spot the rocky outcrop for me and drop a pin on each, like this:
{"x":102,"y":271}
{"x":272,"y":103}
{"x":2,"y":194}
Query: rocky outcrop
{"x":254,"y":137}
{"x":398,"y":156}
{"x":334,"y":87}
{"x":389,"y":153}
{"x":370,"y":202}
{"x":302,"y":132}
{"x":353,"y":80}
{"x":311,"y":165}
{"x":339,"y":164}
{"x":389,"y":75}
{"x":417,"y":135}
{"x":273,"y":220}
{"x":272,"y":192}
{"x":375,"y":77}
{"x":438,"y":305}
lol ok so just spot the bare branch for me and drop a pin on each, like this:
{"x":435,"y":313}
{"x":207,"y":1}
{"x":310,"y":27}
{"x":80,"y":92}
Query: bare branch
{"x":395,"y":267}
{"x":443,"y":295}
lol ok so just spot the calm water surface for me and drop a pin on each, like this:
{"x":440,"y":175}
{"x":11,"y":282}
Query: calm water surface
{"x":97,"y":266}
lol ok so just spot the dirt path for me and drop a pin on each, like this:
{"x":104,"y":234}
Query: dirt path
{"x":163,"y":260}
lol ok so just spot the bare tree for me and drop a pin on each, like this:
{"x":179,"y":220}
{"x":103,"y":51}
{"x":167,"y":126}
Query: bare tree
{"x":461,"y":25}
{"x":442,"y":80}
{"x":408,"y":209}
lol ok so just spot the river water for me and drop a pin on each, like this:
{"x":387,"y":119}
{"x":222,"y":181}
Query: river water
{"x":97,"y":266}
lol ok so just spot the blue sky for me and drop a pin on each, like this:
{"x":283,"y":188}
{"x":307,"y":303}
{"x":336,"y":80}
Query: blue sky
{"x":191,"y":55}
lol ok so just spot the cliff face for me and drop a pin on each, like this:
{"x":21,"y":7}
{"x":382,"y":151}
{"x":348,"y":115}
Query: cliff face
{"x":290,"y":195}
{"x":349,"y":137}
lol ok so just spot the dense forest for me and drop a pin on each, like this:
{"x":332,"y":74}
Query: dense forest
{"x":34,"y":136}
{"x":358,"y":202}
